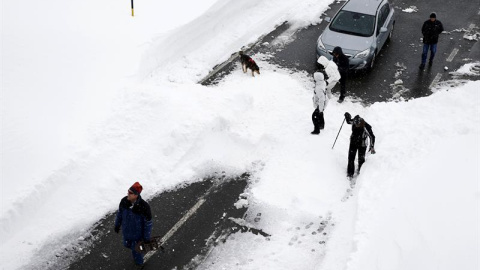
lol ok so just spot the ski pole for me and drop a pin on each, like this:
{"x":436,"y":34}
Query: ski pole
{"x":132,"y":8}
{"x":338,"y":133}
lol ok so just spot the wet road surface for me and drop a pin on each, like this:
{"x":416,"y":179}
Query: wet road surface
{"x":398,"y":60}
{"x":211,"y":204}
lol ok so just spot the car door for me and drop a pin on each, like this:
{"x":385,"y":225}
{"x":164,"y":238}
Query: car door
{"x":389,"y":23}
{"x":382,"y":17}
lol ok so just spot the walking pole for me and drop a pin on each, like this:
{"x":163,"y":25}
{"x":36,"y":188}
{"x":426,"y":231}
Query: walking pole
{"x":338,"y":133}
{"x":132,"y":8}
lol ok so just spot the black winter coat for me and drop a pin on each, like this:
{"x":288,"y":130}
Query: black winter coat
{"x":360,"y":134}
{"x":342,"y":61}
{"x":431,"y":31}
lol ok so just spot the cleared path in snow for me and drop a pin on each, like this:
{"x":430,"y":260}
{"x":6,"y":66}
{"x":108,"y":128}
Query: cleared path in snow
{"x":186,"y":241}
{"x":399,"y":60}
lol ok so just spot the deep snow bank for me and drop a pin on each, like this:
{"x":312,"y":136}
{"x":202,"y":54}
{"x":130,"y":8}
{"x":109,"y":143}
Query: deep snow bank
{"x":63,"y":64}
{"x":188,"y":54}
{"x":415,"y":204}
{"x":418,"y":207}
{"x":168,"y":130}
{"x":59,"y":173}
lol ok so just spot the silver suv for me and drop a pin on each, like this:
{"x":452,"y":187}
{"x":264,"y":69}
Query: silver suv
{"x":360,"y":28}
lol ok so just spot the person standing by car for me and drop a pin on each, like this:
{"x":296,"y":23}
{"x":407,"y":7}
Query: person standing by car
{"x":361,"y":130}
{"x":431,"y":29}
{"x":330,"y":72}
{"x":343,"y":65}
{"x":135,"y":219}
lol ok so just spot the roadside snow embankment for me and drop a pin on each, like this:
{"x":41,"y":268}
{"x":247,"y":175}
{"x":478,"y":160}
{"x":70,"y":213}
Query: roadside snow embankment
{"x":167,"y":129}
{"x":418,"y":206}
{"x":416,"y":203}
{"x":60,"y":172}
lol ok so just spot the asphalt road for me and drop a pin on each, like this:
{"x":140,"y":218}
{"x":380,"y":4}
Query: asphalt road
{"x":208,"y":206}
{"x":399,"y":60}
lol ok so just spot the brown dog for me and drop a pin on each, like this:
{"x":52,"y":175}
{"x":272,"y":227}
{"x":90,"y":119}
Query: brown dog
{"x":248,"y":63}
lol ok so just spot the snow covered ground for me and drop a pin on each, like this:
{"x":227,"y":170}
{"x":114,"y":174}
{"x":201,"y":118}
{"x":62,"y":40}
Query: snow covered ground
{"x":93,"y":100}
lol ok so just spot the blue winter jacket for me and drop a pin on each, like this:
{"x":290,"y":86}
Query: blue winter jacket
{"x":134,"y":219}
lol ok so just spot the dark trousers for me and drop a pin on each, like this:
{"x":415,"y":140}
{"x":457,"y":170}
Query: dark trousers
{"x":343,"y":84}
{"x":318,"y":120}
{"x":433,"y":51}
{"x":352,"y":152}
{"x":137,"y":257}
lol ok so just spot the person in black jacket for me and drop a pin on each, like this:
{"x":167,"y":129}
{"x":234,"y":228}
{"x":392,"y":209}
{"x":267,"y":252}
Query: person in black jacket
{"x":343,"y":65}
{"x":431,"y":29}
{"x":135,"y":218}
{"x":361,"y":130}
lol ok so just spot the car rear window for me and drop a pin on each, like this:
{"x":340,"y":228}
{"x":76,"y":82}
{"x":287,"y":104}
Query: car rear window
{"x":353,"y":23}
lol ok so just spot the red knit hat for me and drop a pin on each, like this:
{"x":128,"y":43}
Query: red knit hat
{"x":136,"y":188}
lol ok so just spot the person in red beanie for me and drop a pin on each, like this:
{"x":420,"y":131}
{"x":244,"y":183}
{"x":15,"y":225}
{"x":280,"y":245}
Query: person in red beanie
{"x":135,"y":219}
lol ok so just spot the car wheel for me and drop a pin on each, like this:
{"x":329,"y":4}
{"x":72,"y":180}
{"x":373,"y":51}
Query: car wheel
{"x":390,"y":35}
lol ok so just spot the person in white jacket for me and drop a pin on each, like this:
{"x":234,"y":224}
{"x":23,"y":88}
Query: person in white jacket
{"x":320,"y":100}
{"x":330,"y":69}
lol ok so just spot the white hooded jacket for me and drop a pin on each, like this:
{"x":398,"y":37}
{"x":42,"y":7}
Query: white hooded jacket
{"x":320,"y":93}
{"x":332,"y":72}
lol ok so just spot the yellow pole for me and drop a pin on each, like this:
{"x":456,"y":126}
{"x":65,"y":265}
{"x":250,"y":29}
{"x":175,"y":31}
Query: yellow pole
{"x":132,"y":9}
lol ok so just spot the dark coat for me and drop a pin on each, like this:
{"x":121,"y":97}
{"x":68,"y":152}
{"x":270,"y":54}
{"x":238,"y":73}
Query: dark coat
{"x":431,"y":31}
{"x":135,"y":220}
{"x":341,"y":60}
{"x":360,"y":134}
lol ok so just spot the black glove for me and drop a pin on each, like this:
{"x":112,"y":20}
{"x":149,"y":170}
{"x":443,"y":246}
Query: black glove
{"x":117,"y":229}
{"x":348,"y":117}
{"x":325,"y":75}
